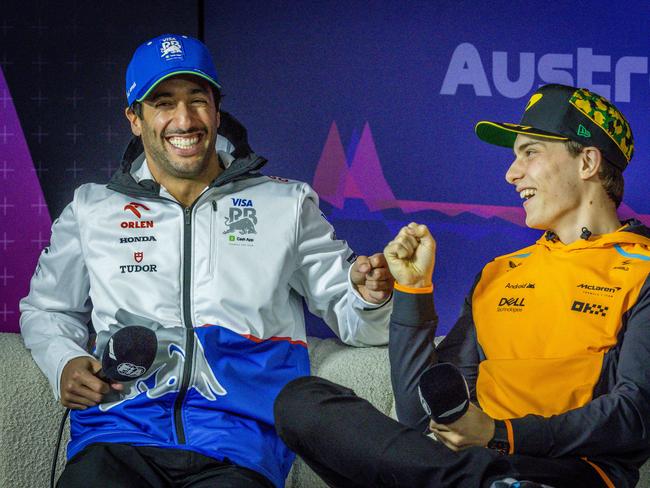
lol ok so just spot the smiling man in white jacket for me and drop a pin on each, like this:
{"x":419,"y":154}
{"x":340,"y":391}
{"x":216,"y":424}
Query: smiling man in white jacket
{"x":190,"y":240}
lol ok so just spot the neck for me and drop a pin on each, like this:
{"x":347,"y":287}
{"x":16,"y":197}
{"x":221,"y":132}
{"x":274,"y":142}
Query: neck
{"x":598,"y":217}
{"x":186,"y":190}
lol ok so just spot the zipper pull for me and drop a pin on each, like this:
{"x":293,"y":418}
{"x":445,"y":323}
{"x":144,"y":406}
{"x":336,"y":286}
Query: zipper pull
{"x":188,"y":214}
{"x":214,"y":205}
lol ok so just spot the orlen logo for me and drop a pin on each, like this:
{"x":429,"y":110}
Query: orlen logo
{"x":466,"y":67}
{"x":135,"y":208}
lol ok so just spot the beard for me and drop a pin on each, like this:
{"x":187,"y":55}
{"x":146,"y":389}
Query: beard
{"x":185,"y":168}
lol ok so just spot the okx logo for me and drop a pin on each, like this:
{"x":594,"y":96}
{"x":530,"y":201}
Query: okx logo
{"x":590,"y":308}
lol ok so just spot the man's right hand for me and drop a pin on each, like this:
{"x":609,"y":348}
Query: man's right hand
{"x":411,"y":256}
{"x":80,"y":386}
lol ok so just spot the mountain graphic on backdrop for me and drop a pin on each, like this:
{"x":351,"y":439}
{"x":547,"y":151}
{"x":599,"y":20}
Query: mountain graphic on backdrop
{"x":358,"y":175}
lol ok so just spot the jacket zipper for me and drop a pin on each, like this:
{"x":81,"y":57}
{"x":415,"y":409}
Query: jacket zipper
{"x":187,"y":320}
{"x":214,"y":226}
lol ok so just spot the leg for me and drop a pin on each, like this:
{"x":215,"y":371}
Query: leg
{"x":349,"y":443}
{"x":110,"y":466}
{"x":219,"y":475}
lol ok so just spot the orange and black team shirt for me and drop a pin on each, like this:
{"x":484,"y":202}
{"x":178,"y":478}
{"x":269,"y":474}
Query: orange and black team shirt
{"x":555,"y":340}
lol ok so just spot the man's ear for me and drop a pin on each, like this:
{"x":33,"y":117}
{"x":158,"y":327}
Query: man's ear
{"x":590,"y":161}
{"x":134,"y":120}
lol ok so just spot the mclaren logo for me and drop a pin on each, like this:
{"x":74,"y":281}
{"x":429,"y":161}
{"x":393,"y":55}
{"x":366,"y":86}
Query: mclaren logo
{"x":606,"y":289}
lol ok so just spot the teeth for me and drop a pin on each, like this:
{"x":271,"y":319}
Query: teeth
{"x":183,"y":142}
{"x":527,"y":193}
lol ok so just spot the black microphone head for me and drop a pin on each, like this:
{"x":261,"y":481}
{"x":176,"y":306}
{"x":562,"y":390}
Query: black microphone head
{"x":129,"y":353}
{"x":444,"y":393}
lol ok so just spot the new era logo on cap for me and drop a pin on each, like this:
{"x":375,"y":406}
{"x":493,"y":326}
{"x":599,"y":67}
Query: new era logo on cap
{"x":582,"y":131}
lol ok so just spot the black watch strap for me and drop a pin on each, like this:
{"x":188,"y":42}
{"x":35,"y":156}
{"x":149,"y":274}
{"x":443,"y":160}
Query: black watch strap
{"x":499,"y":441}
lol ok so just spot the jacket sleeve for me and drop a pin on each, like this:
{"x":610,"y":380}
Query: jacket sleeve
{"x":321,"y":277}
{"x":55,"y":314}
{"x":615,"y":422}
{"x":412,"y":350}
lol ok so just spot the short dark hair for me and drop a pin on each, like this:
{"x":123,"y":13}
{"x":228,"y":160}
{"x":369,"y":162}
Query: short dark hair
{"x":610,"y":176}
{"x":136,"y":107}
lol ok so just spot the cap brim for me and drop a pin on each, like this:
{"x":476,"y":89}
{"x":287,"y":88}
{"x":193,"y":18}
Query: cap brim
{"x":504,"y":134}
{"x":175,"y":73}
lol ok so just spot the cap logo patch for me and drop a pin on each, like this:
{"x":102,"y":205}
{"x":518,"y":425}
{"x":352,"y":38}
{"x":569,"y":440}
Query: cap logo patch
{"x":533,"y":100}
{"x":171,"y":48}
{"x":583,"y":132}
{"x":607,"y":117}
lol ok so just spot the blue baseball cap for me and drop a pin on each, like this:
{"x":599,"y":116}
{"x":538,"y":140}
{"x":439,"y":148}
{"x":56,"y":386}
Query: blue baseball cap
{"x":165,"y":56}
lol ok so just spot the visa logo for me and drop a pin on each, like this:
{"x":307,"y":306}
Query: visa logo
{"x":242,"y":202}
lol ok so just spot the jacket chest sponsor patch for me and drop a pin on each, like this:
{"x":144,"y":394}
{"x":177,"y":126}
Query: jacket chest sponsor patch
{"x":138,"y":257}
{"x":240,"y":225}
{"x":137,"y":210}
{"x":511,"y":304}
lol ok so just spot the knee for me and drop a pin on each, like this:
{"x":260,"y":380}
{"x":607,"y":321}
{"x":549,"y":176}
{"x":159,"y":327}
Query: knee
{"x":297,"y":408}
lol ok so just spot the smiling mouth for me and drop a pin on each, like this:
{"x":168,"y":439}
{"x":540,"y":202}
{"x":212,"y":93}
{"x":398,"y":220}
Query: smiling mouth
{"x":527,"y":193}
{"x":183,"y":142}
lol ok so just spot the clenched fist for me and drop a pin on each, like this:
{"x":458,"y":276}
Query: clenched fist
{"x":411,"y":256}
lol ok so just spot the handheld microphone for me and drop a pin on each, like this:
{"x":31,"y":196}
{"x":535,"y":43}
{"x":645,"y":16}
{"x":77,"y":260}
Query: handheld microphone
{"x":444,"y":393}
{"x":129,"y":353}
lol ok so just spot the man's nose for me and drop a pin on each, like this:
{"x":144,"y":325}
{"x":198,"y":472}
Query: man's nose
{"x":515,"y":172}
{"x":183,"y":116}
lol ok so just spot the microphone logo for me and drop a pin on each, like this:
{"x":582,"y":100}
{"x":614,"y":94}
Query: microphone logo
{"x":130,"y":370}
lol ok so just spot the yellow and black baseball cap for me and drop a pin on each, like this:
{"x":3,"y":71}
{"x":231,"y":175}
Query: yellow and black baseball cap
{"x":564,"y":113}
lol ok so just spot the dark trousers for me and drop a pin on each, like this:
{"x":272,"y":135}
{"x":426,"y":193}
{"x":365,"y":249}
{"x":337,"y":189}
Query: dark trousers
{"x":124,"y":466}
{"x":349,"y":443}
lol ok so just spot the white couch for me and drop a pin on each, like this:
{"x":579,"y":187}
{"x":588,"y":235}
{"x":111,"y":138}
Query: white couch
{"x":29,"y":416}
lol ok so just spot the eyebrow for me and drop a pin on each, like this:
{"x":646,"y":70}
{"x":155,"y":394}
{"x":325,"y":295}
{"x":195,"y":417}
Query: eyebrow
{"x":525,"y":145}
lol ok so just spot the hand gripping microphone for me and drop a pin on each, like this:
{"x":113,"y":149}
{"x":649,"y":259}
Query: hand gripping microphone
{"x":129,"y":353}
{"x":444,"y":393}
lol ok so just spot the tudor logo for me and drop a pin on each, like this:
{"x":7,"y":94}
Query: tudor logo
{"x":138,"y":255}
{"x":134,"y":207}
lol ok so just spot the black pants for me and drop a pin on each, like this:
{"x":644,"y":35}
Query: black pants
{"x":349,"y":443}
{"x":110,"y":465}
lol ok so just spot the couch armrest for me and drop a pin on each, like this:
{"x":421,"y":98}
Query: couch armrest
{"x":29,"y":418}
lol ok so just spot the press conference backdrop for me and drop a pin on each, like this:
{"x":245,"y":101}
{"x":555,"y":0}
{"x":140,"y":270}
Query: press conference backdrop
{"x":373,"y":104}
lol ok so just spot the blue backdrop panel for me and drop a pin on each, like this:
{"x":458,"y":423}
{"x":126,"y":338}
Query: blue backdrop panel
{"x":374,"y":103}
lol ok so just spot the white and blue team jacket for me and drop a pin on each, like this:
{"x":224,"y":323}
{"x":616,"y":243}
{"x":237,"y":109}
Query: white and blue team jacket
{"x":223,"y":278}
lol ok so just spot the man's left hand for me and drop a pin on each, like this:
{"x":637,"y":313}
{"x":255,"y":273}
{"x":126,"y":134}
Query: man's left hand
{"x":371,"y":278}
{"x":475,"y":428}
